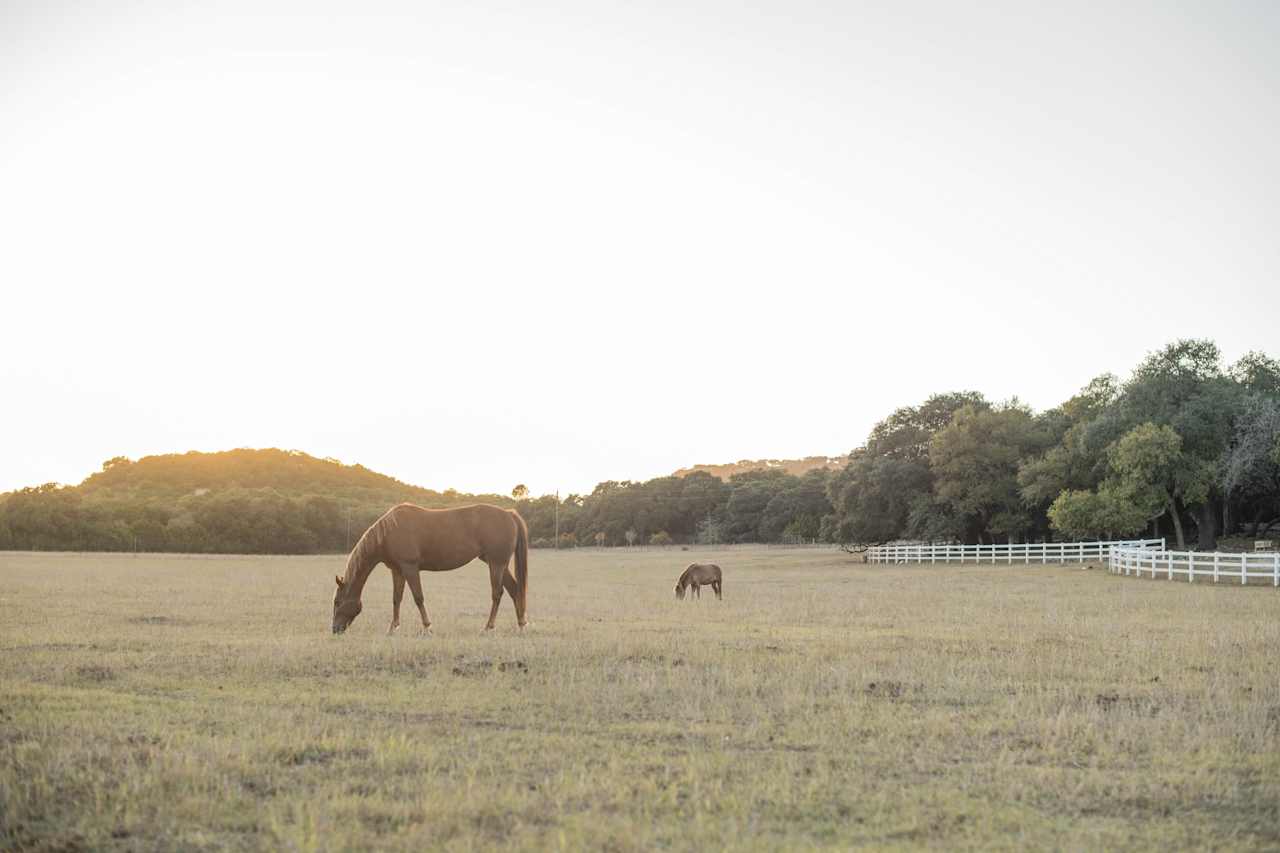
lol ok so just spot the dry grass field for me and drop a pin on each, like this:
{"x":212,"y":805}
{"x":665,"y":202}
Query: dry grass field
{"x":172,"y":703}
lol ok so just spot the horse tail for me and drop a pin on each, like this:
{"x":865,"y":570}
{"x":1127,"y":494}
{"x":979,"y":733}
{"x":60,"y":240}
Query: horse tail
{"x":522,"y":563}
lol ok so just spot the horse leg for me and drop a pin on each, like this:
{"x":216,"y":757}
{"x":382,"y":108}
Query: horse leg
{"x":697,"y":589}
{"x":716,"y":586}
{"x":415,"y":586}
{"x":397,"y":595}
{"x":509,"y":584}
{"x":496,"y":573}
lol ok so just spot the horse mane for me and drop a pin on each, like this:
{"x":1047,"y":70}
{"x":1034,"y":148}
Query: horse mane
{"x":364,"y":554}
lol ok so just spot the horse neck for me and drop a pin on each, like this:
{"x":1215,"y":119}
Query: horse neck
{"x":359,"y":566}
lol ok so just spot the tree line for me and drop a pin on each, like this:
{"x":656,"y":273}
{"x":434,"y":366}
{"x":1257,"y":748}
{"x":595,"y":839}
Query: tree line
{"x":285,"y":502}
{"x":266,"y":501}
{"x":1185,"y":447}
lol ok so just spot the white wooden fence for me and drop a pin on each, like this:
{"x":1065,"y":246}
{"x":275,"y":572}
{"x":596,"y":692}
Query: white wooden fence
{"x":1192,"y":564}
{"x":1026,"y":552}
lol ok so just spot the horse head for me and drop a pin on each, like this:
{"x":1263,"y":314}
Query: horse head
{"x":345,"y":607}
{"x":680,"y":591}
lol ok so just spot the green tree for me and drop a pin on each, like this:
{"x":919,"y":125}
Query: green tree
{"x":1150,"y":465}
{"x":1109,"y":512}
{"x":1184,"y":387}
{"x":872,"y":496}
{"x":975,"y":463}
{"x":1258,"y":373}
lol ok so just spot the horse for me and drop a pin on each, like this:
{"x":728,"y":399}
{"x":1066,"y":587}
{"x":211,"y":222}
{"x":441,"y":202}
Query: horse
{"x":410,"y":539}
{"x":696,"y":575}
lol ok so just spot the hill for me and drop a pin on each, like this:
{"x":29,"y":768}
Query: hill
{"x":794,"y":467}
{"x":265,"y":501}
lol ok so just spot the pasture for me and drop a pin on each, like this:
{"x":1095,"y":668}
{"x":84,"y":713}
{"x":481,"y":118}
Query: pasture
{"x":166,"y":702}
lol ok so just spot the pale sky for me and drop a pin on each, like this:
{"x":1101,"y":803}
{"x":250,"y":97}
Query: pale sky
{"x":474,"y":244}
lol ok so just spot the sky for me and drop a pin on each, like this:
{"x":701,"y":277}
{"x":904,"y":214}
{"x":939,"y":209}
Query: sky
{"x":478,"y":244}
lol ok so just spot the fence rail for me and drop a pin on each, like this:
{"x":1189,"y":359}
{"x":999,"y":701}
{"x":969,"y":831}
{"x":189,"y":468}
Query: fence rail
{"x":1027,"y":552}
{"x":1243,"y":567}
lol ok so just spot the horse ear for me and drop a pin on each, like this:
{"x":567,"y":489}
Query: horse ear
{"x":337,"y":580}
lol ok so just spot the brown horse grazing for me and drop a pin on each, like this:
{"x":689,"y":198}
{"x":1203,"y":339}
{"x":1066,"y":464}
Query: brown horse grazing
{"x":410,"y":539}
{"x":695,"y":576}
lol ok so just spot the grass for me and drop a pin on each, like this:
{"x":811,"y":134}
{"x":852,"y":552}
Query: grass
{"x":163,"y":702}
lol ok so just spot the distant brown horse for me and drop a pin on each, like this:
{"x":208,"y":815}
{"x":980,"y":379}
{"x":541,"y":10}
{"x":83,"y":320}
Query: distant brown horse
{"x":695,"y":576}
{"x":410,"y":539}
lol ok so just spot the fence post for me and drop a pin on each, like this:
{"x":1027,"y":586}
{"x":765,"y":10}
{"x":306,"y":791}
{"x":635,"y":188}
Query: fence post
{"x":1215,"y":566}
{"x":1244,"y":568}
{"x":1275,"y":568}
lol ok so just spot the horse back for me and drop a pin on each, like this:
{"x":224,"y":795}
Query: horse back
{"x":442,"y":539}
{"x":702,"y":573}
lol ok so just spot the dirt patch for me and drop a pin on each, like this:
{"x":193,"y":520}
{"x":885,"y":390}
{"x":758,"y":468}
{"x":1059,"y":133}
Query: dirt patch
{"x":24,"y":838}
{"x":640,"y":657}
{"x":483,"y":666}
{"x":312,"y":754}
{"x":1134,"y":704}
{"x":155,"y":620}
{"x":95,"y":673}
{"x":886,"y":689}
{"x":258,"y":787}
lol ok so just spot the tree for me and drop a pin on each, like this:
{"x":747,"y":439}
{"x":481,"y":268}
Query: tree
{"x":872,"y":496}
{"x":975,"y":462}
{"x":749,"y":495}
{"x":1111,"y":511}
{"x":906,"y":433}
{"x":796,"y":511}
{"x":1076,"y":458}
{"x":1184,"y":387}
{"x":520,"y":492}
{"x":710,"y":531}
{"x":661,"y":538}
{"x":1251,"y":470}
{"x":1150,"y":466}
{"x":1258,"y":373}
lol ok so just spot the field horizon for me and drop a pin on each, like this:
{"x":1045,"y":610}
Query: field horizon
{"x":153,"y":702}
